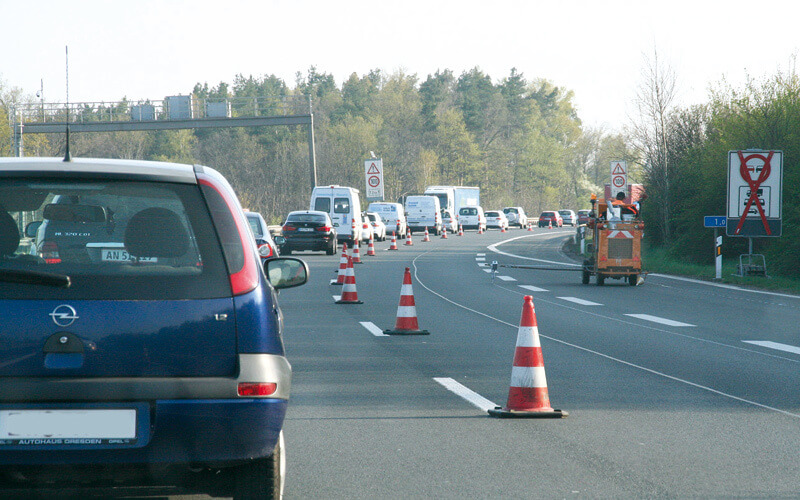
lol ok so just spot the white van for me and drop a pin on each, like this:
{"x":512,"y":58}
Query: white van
{"x":343,"y":205}
{"x":391,"y":214}
{"x":472,"y":218}
{"x":422,"y":212}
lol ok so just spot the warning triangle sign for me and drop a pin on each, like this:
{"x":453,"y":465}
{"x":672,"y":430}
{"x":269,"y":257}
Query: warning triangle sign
{"x":373,"y":169}
{"x":618,"y":170}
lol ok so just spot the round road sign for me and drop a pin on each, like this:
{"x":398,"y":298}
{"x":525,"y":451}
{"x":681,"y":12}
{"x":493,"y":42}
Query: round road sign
{"x":374,"y":181}
{"x":618,"y":181}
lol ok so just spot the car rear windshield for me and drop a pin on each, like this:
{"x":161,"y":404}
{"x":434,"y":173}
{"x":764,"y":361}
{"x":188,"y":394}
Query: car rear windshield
{"x":468,"y":211}
{"x":510,"y":210}
{"x":114,"y":239}
{"x":492,"y":214}
{"x":548,"y":214}
{"x":322,"y":205}
{"x":255,"y":226}
{"x":565,"y":212}
{"x":305,"y":218}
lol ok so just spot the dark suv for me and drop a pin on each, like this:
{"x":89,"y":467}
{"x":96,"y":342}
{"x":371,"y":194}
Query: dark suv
{"x":141,"y":335}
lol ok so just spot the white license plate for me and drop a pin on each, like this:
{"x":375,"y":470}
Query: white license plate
{"x":67,"y":424}
{"x":119,"y":255}
{"x":305,"y":229}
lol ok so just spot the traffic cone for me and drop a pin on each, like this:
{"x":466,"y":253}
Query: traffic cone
{"x":342,"y":267}
{"x":349,"y":293}
{"x":502,"y":229}
{"x":480,"y":229}
{"x":550,"y":225}
{"x":406,"y":323}
{"x":408,"y":239}
{"x":356,"y":253}
{"x":393,"y":246}
{"x":460,"y":230}
{"x":371,"y":247}
{"x":527,"y":395}
{"x":444,"y":233}
{"x":530,"y":226}
{"x":427,"y":236}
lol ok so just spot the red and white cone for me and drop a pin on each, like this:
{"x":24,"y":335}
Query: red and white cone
{"x":550,"y":225}
{"x":342,"y":267}
{"x":527,"y":395}
{"x":427,"y":236}
{"x":480,"y":229}
{"x":371,"y":247}
{"x":444,"y":233}
{"x":502,"y":229}
{"x":393,"y":246}
{"x":408,"y":239}
{"x":356,"y":253}
{"x":349,"y":293}
{"x":530,"y":226}
{"x":406,"y":323}
{"x":460,"y":230}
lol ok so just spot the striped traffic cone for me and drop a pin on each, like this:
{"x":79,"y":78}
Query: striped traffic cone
{"x":502,"y":229}
{"x":550,"y":225}
{"x":530,"y":226}
{"x":370,"y":247}
{"x":527,"y":396}
{"x":460,"y":230}
{"x":427,"y":237}
{"x":408,"y":239}
{"x":349,"y":293}
{"x":480,"y":229}
{"x":342,"y":267}
{"x":406,"y":323}
{"x":393,"y":246}
{"x":356,"y":253}
{"x":444,"y":233}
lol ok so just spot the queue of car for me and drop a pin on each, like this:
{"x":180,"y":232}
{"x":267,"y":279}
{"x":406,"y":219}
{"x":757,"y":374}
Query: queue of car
{"x":496,"y":219}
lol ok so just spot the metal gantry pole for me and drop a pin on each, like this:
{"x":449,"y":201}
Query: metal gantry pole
{"x":312,"y":154}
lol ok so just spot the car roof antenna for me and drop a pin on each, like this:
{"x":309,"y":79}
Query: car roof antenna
{"x":67,"y":156}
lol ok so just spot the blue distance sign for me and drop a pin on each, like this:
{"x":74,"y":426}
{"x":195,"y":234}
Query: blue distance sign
{"x":715,"y":221}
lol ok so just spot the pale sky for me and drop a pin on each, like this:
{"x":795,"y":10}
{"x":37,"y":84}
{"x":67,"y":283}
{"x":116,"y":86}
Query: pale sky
{"x":150,"y":49}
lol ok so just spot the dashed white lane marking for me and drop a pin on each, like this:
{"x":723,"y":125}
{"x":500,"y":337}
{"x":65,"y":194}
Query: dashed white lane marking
{"x":580,"y":301}
{"x":486,"y":270}
{"x":532,"y":288}
{"x":481,"y":254}
{"x":506,"y":278}
{"x":483,"y":264}
{"x":466,"y":393}
{"x":480,"y":259}
{"x":774,"y":345}
{"x":373,"y":328}
{"x":656,"y":319}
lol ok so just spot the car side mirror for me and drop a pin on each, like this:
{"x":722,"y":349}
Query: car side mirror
{"x":286,"y":272}
{"x":279,"y":240}
{"x":32,"y":228}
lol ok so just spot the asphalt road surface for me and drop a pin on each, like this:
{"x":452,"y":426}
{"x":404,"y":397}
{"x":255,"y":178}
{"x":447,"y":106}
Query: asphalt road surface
{"x":675,"y":388}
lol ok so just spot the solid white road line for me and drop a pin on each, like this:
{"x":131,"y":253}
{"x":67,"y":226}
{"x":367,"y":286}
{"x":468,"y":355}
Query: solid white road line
{"x":466,"y":393}
{"x":656,"y":319}
{"x":373,"y":328}
{"x":580,"y":301}
{"x":532,"y":288}
{"x":774,"y":345}
{"x":506,"y":278}
{"x":493,"y":248}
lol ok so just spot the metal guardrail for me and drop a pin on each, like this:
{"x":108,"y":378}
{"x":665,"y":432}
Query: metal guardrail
{"x":148,"y":110}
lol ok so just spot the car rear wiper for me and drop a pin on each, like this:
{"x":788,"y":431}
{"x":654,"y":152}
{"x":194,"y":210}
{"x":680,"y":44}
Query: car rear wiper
{"x":35,"y":278}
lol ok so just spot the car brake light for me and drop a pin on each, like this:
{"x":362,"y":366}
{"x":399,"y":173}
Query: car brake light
{"x":49,"y":252}
{"x":289,"y":228}
{"x":324,"y":229}
{"x":257,"y":388}
{"x":264,"y":250}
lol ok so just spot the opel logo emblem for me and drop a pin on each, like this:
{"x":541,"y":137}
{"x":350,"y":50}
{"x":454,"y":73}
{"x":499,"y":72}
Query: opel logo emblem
{"x":64,"y":315}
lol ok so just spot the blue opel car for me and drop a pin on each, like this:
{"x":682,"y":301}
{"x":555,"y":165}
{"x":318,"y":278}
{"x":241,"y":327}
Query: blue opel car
{"x":140,"y":336}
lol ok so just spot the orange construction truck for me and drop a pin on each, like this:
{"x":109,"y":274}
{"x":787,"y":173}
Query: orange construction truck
{"x":616,"y":248}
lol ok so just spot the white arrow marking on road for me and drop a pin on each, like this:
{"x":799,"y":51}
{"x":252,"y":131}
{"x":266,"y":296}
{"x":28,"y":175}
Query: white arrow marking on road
{"x":466,"y":393}
{"x":506,"y":278}
{"x":532,"y":288}
{"x":580,"y":301}
{"x":774,"y":345}
{"x":373,"y":328}
{"x":656,"y":319}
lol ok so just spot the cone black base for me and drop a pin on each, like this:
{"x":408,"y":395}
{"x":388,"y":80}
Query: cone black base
{"x":503,"y":413}
{"x":406,"y":332}
{"x":348,"y":302}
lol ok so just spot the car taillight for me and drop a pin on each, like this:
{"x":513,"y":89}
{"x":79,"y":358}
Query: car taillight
{"x":264,"y":250}
{"x":289,"y":228}
{"x":49,"y":252}
{"x":257,"y":388}
{"x":325,"y":229}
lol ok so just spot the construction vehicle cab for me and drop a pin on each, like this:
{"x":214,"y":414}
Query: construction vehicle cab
{"x":616,"y":248}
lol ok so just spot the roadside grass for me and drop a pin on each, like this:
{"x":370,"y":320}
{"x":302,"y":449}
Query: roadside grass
{"x":656,"y":260}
